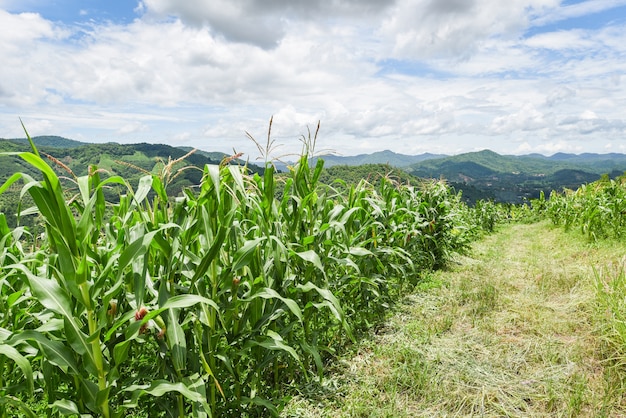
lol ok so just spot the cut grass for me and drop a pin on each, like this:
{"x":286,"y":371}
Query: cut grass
{"x":510,"y":331}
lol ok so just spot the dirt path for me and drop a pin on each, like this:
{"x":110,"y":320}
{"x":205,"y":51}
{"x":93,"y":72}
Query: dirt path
{"x":508,"y":331}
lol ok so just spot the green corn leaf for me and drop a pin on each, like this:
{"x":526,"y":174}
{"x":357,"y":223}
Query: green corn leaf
{"x":211,"y":254}
{"x":5,"y":334}
{"x":17,"y":405}
{"x":213,"y":172}
{"x":313,"y":351}
{"x":120,"y":352}
{"x":245,"y":254}
{"x":37,"y":162}
{"x":312,"y":257}
{"x":161,"y":387}
{"x":66,"y":407}
{"x":48,"y":293}
{"x":89,"y":394}
{"x":143,"y":188}
{"x":262,"y":402}
{"x":54,"y":351}
{"x":9,"y":182}
{"x":30,"y":140}
{"x":176,"y":341}
{"x":53,"y":297}
{"x":80,"y":343}
{"x":235,"y":172}
{"x":21,"y":361}
{"x":276,"y":342}
{"x":360,"y":252}
{"x":139,"y":247}
{"x":269,"y":293}
{"x":331,"y":302}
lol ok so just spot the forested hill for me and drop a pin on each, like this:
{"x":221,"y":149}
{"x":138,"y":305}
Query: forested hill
{"x":480,"y":175}
{"x":514,"y":179}
{"x":489,"y":175}
{"x":51,"y":141}
{"x":382,"y":157}
{"x":130,"y":161}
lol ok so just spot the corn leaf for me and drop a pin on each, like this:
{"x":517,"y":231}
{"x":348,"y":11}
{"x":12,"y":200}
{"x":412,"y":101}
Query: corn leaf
{"x":21,"y":361}
{"x":55,"y":351}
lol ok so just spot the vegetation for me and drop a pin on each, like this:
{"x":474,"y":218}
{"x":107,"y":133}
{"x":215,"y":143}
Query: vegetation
{"x":517,"y":179}
{"x":598,"y":209}
{"x":516,"y":328}
{"x":210,"y":303}
{"x":383,"y":157}
{"x":530,"y":323}
{"x":130,"y":161}
{"x":137,"y":290}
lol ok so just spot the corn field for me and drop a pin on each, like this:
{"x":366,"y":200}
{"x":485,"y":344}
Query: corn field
{"x":597,"y":209}
{"x":207,"y":304}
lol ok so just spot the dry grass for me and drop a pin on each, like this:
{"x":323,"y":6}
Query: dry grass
{"x":508,"y":332}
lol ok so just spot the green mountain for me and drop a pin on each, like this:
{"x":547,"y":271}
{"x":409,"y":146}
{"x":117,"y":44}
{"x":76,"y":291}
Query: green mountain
{"x":131,"y":161}
{"x":515,"y":179}
{"x":214,"y":155}
{"x":51,"y":141}
{"x":382,"y":157}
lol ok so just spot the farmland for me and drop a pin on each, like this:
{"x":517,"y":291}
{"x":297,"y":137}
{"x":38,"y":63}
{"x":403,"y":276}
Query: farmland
{"x":233,"y":296}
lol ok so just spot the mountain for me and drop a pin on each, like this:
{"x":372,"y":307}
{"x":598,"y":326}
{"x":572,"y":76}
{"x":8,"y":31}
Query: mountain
{"x":130,"y":161}
{"x":515,"y":179}
{"x":214,"y":155}
{"x":479,"y":175}
{"x":382,"y":157}
{"x":51,"y":141}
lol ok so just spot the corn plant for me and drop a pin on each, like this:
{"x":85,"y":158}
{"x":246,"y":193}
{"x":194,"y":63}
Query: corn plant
{"x":209,"y":303}
{"x":597,"y":209}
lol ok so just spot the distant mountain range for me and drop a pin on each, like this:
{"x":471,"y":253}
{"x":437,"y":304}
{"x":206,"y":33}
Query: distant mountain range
{"x":479,"y":175}
{"x":51,"y":141}
{"x":505,"y":178}
{"x":131,"y":161}
{"x":382,"y":157}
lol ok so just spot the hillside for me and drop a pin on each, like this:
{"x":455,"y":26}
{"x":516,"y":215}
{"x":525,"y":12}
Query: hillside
{"x":514,"y":179}
{"x":479,"y":175}
{"x":51,"y":141}
{"x":382,"y":157}
{"x":131,"y":161}
{"x":127,"y":160}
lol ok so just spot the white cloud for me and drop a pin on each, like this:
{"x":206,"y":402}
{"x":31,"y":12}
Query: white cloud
{"x":421,"y":29}
{"x":575,"y":10}
{"x":464,"y":76}
{"x":526,"y":119}
{"x":257,"y":22}
{"x":559,"y":95}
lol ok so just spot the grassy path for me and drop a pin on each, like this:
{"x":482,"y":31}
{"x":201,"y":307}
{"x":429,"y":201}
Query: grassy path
{"x":508,"y":331}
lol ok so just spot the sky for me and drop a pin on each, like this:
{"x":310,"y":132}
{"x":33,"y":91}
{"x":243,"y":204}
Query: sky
{"x":411,"y":76}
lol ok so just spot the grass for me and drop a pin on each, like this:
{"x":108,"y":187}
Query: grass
{"x":512,"y":330}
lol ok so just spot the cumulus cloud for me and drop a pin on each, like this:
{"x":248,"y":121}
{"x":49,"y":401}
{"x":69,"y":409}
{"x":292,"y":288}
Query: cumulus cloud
{"x":574,"y":10}
{"x":527,"y":119}
{"x":422,"y":29}
{"x":465,"y":75}
{"x":559,"y":94}
{"x":257,"y":22}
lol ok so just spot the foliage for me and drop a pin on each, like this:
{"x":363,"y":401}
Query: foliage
{"x":486,"y":175}
{"x":210,"y":303}
{"x":598,"y":208}
{"x":382,"y":157}
{"x":130,"y":161}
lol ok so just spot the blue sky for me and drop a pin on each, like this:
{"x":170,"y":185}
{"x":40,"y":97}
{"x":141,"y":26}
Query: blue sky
{"x":413,"y":76}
